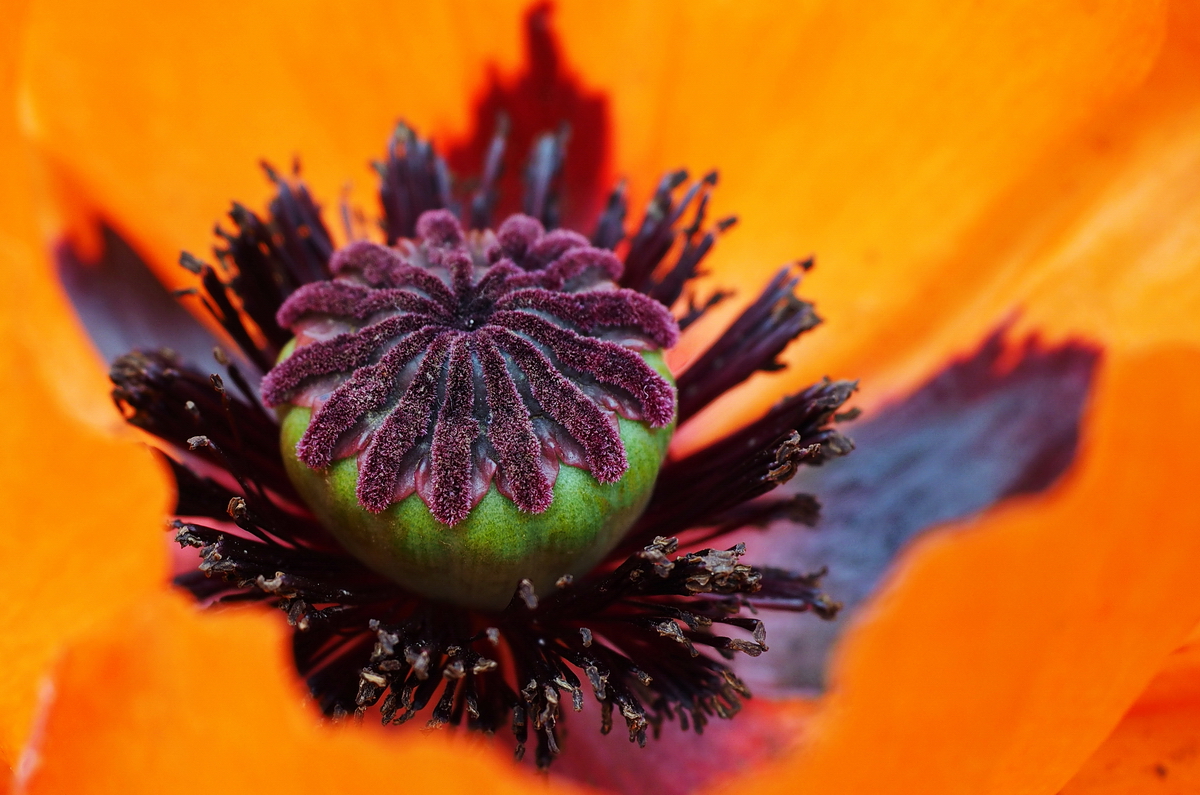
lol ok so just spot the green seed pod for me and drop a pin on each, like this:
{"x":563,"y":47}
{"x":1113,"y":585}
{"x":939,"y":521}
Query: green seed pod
{"x":469,"y":412}
{"x":479,"y":561}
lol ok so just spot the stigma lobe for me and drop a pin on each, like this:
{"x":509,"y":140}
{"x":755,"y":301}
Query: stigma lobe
{"x":451,"y":362}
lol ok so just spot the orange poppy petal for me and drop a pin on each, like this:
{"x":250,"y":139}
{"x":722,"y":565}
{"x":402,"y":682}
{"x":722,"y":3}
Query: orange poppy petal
{"x":877,"y":139}
{"x":39,"y":313}
{"x":1153,"y":749}
{"x":189,"y":99}
{"x":1112,"y":257}
{"x":1003,"y":652}
{"x":79,"y":541}
{"x":167,"y":699}
{"x":131,"y":203}
{"x":1101,"y":239}
{"x":679,"y":760}
{"x":815,"y":113}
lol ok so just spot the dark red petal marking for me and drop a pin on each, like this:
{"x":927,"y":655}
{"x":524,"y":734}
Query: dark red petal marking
{"x":545,"y":94}
{"x":511,"y":433}
{"x":464,"y":376}
{"x":379,"y":467}
{"x":566,"y":404}
{"x":607,"y":362}
{"x":450,"y":499}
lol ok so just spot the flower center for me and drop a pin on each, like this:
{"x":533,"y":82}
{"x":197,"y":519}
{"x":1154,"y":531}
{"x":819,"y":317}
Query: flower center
{"x":418,"y":373}
{"x":457,"y":361}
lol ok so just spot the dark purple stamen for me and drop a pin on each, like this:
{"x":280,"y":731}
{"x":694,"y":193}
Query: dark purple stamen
{"x":752,"y":343}
{"x":393,"y":352}
{"x":385,"y":335}
{"x":413,"y":180}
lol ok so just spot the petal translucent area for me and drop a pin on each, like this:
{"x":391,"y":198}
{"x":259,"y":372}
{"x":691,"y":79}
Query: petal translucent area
{"x":172,"y":700}
{"x":881,"y":139}
{"x":1003,"y":652}
{"x":1153,"y":749}
{"x":156,"y":117}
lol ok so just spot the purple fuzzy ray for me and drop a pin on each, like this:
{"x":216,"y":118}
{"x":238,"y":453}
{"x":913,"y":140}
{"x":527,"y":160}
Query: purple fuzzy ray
{"x":552,"y":247}
{"x":517,"y":235}
{"x":440,"y":229}
{"x":569,"y":407}
{"x":463,"y":377}
{"x":607,"y":362}
{"x":345,"y":353}
{"x":378,"y":265}
{"x":600,"y":309}
{"x":336,"y":298}
{"x":399,"y":300}
{"x":462,"y":269}
{"x":367,"y":389}
{"x":450,"y":499}
{"x":578,"y":269}
{"x":379,"y":467}
{"x":496,"y":282}
{"x":511,"y":433}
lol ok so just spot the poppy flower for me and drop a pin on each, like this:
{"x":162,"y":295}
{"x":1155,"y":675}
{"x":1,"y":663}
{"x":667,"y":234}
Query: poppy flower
{"x":948,"y":168}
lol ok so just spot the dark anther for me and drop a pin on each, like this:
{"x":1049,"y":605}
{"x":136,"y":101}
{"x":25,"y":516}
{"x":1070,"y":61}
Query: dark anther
{"x":483,"y":201}
{"x":542,"y":176}
{"x":412,"y":179}
{"x":713,"y":486}
{"x":752,"y":343}
{"x":610,"y":229}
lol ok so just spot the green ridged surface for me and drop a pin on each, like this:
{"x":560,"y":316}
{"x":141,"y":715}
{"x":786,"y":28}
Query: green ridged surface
{"x":479,"y":561}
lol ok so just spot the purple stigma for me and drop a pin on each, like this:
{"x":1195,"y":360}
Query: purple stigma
{"x":456,"y":361}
